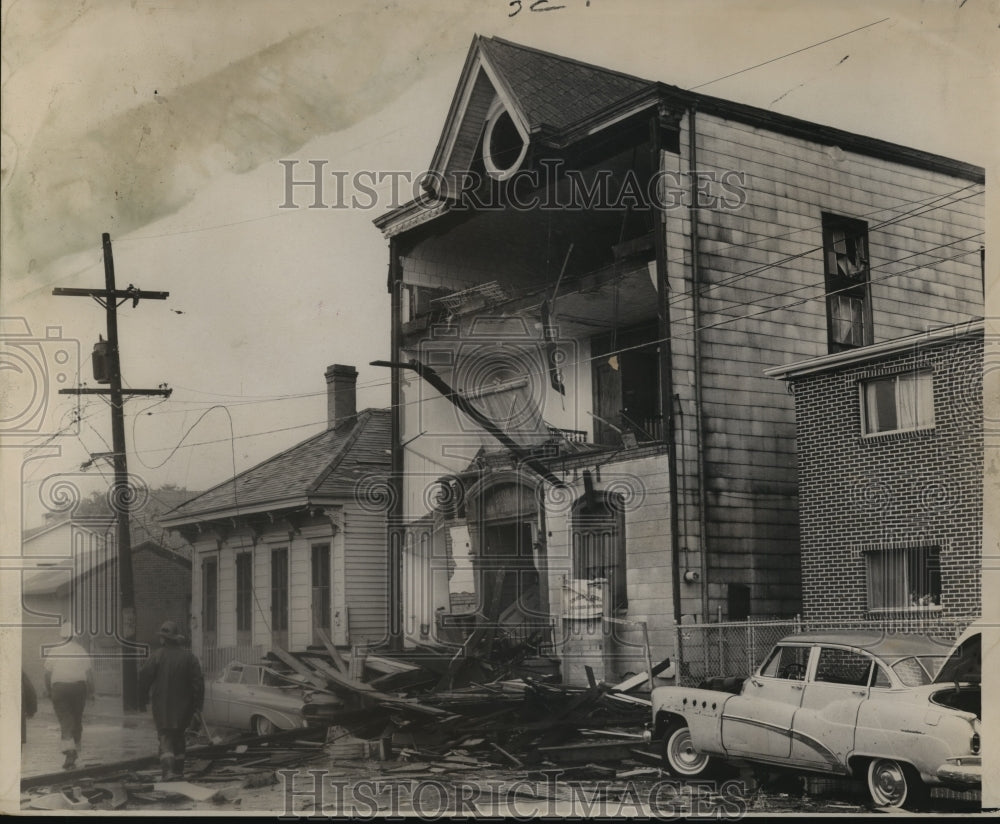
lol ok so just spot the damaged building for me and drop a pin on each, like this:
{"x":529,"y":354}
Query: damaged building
{"x":586,"y":449}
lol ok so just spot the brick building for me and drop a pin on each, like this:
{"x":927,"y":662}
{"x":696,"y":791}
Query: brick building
{"x":890,"y":450}
{"x":602,"y":266}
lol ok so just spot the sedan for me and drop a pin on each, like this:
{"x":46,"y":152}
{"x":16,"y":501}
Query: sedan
{"x":855,"y":704}
{"x":256,"y":698}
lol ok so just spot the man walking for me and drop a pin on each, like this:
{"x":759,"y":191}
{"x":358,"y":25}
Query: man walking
{"x":69,"y":681}
{"x":172,"y":677}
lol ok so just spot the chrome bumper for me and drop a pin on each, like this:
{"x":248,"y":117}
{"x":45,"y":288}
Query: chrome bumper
{"x":966,"y":772}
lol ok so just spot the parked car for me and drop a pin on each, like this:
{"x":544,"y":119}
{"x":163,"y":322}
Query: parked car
{"x":256,"y":698}
{"x":857,"y":704}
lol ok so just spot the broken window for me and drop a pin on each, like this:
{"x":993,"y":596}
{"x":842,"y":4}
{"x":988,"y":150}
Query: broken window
{"x":848,"y":301}
{"x":626,"y":385}
{"x":904,"y":578}
{"x":599,"y":547}
{"x":898,"y":403}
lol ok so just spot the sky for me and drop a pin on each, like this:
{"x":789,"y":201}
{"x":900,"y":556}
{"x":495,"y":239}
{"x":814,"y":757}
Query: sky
{"x":163,"y":123}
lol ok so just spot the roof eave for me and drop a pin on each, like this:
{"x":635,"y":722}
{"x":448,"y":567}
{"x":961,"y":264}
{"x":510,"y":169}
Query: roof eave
{"x":233,"y":511}
{"x":852,"y":357}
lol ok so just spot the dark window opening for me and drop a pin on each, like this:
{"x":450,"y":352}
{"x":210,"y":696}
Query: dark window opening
{"x":210,"y":598}
{"x":738,"y":602}
{"x":321,"y":588}
{"x":279,"y":596}
{"x":599,"y":547}
{"x":505,"y":143}
{"x":626,"y":386}
{"x":244,"y":597}
{"x":848,"y":301}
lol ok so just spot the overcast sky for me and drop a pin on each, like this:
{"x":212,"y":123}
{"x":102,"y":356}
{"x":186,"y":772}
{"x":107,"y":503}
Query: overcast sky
{"x":163,"y":123}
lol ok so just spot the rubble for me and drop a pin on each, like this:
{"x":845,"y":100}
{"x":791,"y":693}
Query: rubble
{"x":420,"y":712}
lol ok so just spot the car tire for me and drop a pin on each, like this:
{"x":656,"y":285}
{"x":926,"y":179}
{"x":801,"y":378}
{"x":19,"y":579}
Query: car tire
{"x":680,"y":758}
{"x":262,"y":725}
{"x":896,"y":784}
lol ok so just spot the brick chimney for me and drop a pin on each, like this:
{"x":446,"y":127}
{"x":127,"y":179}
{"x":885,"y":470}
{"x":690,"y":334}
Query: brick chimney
{"x":341,"y":395}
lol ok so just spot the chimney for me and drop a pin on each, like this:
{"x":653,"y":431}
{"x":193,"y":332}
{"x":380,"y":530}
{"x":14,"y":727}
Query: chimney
{"x":341,"y":395}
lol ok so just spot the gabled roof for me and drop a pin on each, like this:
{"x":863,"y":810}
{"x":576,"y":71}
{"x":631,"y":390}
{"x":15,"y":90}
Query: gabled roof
{"x":555,"y":92}
{"x":557,"y":101}
{"x":322,"y":468}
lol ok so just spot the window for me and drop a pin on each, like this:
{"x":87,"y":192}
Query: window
{"x":904,"y":578}
{"x":234,"y":674}
{"x":842,"y":666}
{"x":898,"y":403}
{"x":882,"y":679}
{"x":599,"y":546}
{"x":626,"y":384}
{"x":244,"y":597}
{"x":848,"y":302}
{"x":210,"y":595}
{"x":788,"y":663}
{"x":279,"y":596}
{"x":321,"y":588}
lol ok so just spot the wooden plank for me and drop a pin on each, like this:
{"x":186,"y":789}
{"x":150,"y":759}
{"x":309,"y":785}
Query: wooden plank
{"x":303,"y":670}
{"x":338,"y":661}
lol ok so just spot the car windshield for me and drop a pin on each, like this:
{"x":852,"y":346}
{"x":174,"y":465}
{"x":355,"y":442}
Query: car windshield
{"x":916,"y":671}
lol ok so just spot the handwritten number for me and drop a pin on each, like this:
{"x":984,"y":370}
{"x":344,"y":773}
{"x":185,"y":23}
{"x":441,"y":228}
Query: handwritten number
{"x":542,"y":5}
{"x":514,"y":3}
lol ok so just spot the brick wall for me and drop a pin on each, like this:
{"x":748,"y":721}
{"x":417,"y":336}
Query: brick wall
{"x":921,"y":488}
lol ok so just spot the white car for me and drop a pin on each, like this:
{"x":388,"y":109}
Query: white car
{"x":856,"y":704}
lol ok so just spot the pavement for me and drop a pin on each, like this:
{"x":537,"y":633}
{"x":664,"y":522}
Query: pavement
{"x":109,"y":734}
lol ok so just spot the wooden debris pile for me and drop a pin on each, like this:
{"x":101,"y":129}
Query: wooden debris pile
{"x":427,"y":702}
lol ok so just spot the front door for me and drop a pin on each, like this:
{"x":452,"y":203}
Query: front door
{"x":508,"y":569}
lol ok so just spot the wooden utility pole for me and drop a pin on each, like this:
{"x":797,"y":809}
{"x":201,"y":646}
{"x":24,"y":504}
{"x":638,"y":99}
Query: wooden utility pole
{"x":111,"y":298}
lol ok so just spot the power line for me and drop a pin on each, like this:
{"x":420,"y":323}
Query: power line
{"x":789,"y":54}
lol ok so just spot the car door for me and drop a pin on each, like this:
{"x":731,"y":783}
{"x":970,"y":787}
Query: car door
{"x":757,"y":723}
{"x":824,"y":727}
{"x":244,"y":698}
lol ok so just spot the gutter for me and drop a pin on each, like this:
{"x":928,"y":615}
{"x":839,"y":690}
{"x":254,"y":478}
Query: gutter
{"x":696,"y":343}
{"x":666,"y":361}
{"x":850,"y":357}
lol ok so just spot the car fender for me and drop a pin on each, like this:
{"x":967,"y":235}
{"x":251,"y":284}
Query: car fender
{"x":282,"y":720}
{"x":700,"y":709}
{"x":909,"y":729}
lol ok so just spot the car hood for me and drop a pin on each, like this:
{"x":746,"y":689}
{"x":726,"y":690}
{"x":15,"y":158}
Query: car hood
{"x":965,"y":663}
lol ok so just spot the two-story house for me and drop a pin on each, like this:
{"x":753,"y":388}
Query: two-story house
{"x":890,"y":451}
{"x":584,"y":300}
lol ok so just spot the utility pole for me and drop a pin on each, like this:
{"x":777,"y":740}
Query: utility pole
{"x":111,"y":298}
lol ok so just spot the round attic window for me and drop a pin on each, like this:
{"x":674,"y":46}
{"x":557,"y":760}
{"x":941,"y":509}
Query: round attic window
{"x":503,"y":145}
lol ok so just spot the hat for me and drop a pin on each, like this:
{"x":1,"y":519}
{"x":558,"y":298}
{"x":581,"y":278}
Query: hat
{"x":169,"y":631}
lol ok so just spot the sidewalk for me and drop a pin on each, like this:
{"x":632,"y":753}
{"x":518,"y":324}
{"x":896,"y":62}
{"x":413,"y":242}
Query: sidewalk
{"x":109,"y":735}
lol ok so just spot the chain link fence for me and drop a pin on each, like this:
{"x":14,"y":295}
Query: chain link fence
{"x":737,"y":648}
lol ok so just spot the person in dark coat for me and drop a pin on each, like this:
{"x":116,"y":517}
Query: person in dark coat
{"x":29,"y":705}
{"x":172,"y":678}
